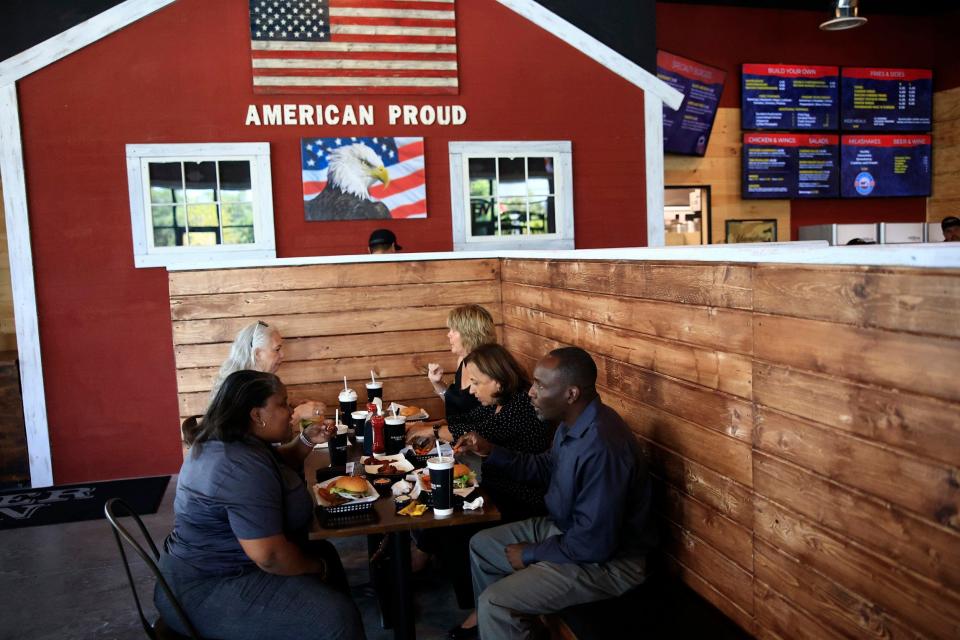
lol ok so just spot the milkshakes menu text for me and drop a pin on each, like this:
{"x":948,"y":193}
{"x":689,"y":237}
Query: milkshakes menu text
{"x":790,"y":97}
{"x":885,"y":165}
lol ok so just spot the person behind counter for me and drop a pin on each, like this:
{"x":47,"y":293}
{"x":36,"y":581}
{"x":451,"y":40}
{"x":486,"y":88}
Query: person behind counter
{"x":951,"y":229}
{"x":238,"y":558}
{"x":383,"y":241}
{"x":259,"y":347}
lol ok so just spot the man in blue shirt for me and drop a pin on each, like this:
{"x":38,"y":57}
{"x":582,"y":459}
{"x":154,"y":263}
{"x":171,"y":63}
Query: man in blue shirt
{"x":594,"y":542}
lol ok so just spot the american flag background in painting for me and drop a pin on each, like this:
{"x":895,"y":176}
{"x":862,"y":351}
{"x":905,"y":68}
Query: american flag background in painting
{"x":354,"y":46}
{"x":406,"y":195}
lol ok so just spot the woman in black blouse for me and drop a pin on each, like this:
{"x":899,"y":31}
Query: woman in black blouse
{"x":505,"y":417}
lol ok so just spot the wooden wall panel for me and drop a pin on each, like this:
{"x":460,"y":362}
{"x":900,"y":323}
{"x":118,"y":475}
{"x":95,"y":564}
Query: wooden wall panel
{"x":945,"y":197}
{"x":337,"y":320}
{"x":826,"y":478}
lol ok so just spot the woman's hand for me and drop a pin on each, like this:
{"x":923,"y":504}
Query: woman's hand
{"x":307,"y":410}
{"x":318,"y":433}
{"x":435,"y":373}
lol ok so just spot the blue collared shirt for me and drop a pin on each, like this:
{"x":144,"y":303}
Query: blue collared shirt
{"x":599,"y":491}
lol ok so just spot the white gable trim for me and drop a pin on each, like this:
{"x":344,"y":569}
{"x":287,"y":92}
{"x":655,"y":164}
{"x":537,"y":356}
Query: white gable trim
{"x":656,"y":93}
{"x":596,"y":50}
{"x":76,"y":38}
{"x":18,"y":219}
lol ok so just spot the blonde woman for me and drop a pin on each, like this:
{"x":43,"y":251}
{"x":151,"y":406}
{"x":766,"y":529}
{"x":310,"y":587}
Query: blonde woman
{"x":259,"y":347}
{"x":470,"y":326}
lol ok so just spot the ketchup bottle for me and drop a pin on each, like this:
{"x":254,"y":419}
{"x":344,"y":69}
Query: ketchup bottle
{"x":379,"y":442}
{"x":368,"y":430}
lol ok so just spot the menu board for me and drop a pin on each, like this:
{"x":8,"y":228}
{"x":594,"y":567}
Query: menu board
{"x":687,"y":130}
{"x":885,"y":165}
{"x":886,"y":99}
{"x":790,"y":97}
{"x":790,"y":165}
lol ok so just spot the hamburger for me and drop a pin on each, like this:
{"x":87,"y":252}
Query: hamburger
{"x":410,"y":411}
{"x":350,"y":487}
{"x":461,"y":476}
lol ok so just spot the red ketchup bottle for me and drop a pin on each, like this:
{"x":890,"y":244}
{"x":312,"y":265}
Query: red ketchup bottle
{"x":379,"y":442}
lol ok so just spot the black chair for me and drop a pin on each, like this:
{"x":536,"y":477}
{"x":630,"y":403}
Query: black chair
{"x":113,"y":509}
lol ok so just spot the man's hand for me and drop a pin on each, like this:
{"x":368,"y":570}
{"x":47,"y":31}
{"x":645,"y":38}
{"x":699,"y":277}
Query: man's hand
{"x":472,"y":442}
{"x":515,"y":555}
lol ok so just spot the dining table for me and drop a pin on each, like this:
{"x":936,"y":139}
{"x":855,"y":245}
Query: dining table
{"x":381,"y":521}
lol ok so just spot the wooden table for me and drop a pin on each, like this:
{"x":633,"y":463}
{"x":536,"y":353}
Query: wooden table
{"x":400,"y":526}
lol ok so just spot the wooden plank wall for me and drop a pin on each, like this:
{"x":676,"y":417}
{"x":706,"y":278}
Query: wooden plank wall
{"x":946,"y":156}
{"x":803,"y":424}
{"x":337,"y":320}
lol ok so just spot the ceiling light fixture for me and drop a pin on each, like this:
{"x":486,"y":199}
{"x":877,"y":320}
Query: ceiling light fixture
{"x":844,"y":16}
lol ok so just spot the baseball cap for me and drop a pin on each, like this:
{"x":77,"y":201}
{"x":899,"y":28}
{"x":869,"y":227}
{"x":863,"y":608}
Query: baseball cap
{"x":383,"y":236}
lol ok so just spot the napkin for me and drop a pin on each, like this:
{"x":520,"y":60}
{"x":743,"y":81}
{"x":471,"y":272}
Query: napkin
{"x":475,"y":504}
{"x":401,"y":487}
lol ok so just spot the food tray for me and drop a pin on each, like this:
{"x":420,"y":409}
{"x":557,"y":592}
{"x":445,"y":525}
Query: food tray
{"x":355,"y":506}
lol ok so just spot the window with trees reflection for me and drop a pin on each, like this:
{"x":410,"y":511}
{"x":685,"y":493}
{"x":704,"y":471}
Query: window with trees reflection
{"x":512,"y":196}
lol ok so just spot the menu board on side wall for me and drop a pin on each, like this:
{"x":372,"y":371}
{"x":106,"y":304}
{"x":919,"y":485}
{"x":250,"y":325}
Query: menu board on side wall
{"x":790,"y":165}
{"x":687,"y":130}
{"x":886,"y":99}
{"x":885,"y":165}
{"x":790,"y":97}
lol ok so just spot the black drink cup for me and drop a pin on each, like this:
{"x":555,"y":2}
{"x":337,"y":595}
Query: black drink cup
{"x":348,"y":403}
{"x":441,"y":481}
{"x":338,"y":447}
{"x":395,"y":431}
{"x":374,"y":390}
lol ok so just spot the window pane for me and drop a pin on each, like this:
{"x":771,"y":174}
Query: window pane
{"x":164,"y":238}
{"x":513,"y":216}
{"x":513,"y":178}
{"x":237,"y":215}
{"x":238,"y":235}
{"x":540,"y":177}
{"x":483,"y":176}
{"x":542,"y":215}
{"x":181,"y":213}
{"x":166,"y":182}
{"x":202,"y":215}
{"x":202,"y":238}
{"x":201,"y":181}
{"x":162,"y":216}
{"x":482,"y":222}
{"x":235,"y":183}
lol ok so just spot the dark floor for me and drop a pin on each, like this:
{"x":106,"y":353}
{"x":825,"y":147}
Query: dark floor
{"x":66,"y":582}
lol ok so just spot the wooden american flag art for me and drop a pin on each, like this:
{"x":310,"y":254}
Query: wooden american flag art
{"x":354,"y":46}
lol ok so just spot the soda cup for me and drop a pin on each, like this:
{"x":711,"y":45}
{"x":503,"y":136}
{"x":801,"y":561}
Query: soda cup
{"x":441,"y":481}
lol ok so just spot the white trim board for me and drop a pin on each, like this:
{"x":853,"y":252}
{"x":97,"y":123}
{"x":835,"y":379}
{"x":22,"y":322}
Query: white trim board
{"x":18,"y":218}
{"x":656,"y":93}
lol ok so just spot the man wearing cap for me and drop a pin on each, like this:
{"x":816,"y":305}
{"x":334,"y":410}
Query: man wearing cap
{"x":383,"y":241}
{"x":951,"y":229}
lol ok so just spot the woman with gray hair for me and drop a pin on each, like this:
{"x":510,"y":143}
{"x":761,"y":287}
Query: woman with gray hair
{"x":259,"y":347}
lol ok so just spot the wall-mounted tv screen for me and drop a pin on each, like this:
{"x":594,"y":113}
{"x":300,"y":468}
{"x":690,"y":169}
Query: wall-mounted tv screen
{"x":790,"y":165}
{"x":687,"y":130}
{"x":875,"y":99}
{"x":790,"y":97}
{"x":885,"y":165}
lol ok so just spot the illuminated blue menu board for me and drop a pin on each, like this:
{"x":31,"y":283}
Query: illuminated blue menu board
{"x":885,"y":165}
{"x":687,"y":130}
{"x":886,"y":99}
{"x":790,"y":97}
{"x":790,"y":165}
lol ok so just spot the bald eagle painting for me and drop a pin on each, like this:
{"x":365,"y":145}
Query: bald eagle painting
{"x":363,"y":178}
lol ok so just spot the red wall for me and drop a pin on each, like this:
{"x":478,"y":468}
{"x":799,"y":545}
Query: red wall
{"x":183,"y":75}
{"x":727,"y":37}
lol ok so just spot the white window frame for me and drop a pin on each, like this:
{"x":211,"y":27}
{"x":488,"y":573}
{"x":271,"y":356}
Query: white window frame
{"x":460,"y":154}
{"x":145,"y":254}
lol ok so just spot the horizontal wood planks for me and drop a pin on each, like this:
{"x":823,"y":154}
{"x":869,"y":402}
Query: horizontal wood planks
{"x":802,"y":423}
{"x":336,"y":320}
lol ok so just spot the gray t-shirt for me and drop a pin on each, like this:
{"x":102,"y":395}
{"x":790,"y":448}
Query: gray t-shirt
{"x":234,"y":490}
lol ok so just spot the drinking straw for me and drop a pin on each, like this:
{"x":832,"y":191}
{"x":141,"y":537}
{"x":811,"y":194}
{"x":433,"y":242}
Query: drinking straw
{"x":372,"y":379}
{"x":344,"y":383}
{"x":438,"y":448}
{"x":336,"y":416}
